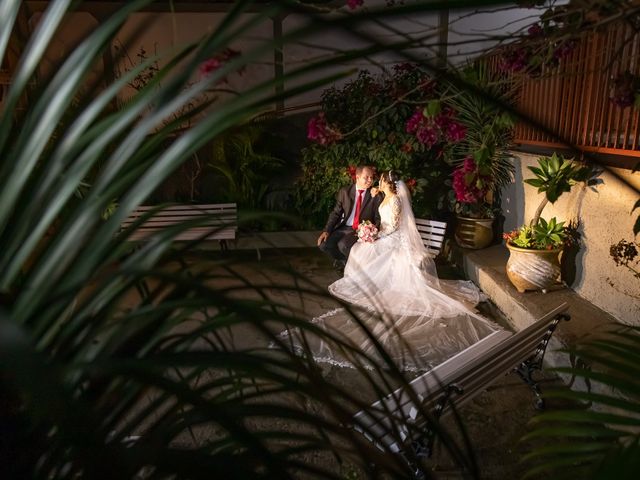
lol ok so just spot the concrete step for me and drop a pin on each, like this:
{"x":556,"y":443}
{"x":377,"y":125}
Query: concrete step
{"x":487,"y":269}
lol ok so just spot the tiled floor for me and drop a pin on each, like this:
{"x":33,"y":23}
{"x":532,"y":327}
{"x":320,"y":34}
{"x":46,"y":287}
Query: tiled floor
{"x":495,"y":420}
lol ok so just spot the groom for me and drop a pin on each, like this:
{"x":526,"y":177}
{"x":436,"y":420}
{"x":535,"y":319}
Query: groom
{"x":354,"y":204}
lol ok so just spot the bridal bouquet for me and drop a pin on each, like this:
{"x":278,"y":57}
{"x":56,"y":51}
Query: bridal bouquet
{"x":367,"y":232}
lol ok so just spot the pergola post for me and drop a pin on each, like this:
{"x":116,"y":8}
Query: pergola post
{"x":443,"y":29}
{"x":278,"y":62}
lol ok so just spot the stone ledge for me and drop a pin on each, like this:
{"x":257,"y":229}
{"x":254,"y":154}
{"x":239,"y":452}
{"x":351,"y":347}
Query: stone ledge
{"x":486,"y":268}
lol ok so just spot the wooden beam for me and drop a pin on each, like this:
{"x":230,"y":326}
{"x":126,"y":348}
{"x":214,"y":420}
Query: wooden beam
{"x":101,"y":8}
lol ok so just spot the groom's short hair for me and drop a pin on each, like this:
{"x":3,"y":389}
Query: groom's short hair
{"x":360,"y":168}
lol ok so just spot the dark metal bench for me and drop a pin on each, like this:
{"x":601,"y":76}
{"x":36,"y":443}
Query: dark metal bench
{"x":455,"y":382}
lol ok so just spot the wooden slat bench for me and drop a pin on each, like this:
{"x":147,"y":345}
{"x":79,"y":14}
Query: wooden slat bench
{"x":454,"y":383}
{"x":210,"y":222}
{"x":432,"y":234}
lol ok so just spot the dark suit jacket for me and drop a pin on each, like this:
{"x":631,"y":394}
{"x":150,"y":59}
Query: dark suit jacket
{"x":345,"y":201}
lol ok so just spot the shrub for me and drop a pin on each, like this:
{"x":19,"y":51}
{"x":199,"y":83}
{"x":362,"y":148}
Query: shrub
{"x":392,"y":121}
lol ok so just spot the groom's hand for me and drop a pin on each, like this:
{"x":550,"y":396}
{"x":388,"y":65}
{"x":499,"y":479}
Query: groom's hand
{"x":374,"y":191}
{"x":323,"y":237}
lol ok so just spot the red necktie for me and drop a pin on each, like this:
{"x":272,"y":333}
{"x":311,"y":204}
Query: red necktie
{"x":356,"y":217}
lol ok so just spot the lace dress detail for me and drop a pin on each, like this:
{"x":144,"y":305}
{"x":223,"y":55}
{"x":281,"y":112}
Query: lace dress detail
{"x":390,"y":219}
{"x":399,"y":301}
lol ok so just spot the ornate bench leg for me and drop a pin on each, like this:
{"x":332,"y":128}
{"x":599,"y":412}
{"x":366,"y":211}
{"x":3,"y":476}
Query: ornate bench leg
{"x":418,"y":473}
{"x":525,"y":372}
{"x":422,"y":446}
{"x":223,"y":245}
{"x":534,"y":362}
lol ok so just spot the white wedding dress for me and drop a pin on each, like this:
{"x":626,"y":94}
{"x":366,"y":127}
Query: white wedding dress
{"x":395,"y":303}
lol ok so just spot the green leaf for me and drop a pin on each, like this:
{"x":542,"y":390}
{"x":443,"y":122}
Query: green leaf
{"x":432,"y":108}
{"x":534,"y":182}
{"x":481,"y":156}
{"x":552,"y":193}
{"x":577,"y":431}
{"x":505,"y":120}
{"x":555,"y":163}
{"x":538,"y":172}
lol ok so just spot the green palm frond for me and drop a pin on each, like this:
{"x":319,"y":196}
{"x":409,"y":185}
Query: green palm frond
{"x":489,"y":128}
{"x":605,"y":430}
{"x":115,"y":361}
{"x":245,"y":169}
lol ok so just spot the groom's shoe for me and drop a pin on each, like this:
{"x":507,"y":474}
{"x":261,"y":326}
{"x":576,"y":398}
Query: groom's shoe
{"x":339,"y":266}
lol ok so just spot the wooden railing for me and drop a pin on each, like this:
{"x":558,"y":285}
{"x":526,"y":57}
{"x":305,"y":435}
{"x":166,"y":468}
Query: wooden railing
{"x":572,"y":99}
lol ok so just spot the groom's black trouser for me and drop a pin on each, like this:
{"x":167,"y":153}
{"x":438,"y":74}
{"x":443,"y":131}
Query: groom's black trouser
{"x":339,"y":243}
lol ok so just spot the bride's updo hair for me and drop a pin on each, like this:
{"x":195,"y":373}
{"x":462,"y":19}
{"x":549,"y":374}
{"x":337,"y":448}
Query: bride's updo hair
{"x":391,"y":178}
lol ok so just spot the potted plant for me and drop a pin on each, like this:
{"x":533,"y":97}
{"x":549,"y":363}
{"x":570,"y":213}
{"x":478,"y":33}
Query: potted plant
{"x":534,"y":249}
{"x":482,"y":158}
{"x":474,"y":226}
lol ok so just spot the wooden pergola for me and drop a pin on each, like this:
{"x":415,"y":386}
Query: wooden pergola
{"x":103,"y":9}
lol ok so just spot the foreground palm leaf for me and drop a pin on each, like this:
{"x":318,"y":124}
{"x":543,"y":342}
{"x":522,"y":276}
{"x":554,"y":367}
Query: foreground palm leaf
{"x":599,"y":440}
{"x":117,"y":362}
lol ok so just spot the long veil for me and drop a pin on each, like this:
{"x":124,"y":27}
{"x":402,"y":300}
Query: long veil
{"x":463,"y":291}
{"x":394,"y":299}
{"x":409,"y":232}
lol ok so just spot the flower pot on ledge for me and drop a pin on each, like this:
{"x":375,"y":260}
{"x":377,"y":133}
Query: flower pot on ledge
{"x":474,"y":233}
{"x":533,"y":269}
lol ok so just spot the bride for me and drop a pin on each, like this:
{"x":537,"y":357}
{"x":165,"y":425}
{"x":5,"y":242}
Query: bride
{"x":397,"y":301}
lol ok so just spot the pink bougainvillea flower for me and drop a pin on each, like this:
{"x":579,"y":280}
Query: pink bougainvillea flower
{"x":318,"y":130}
{"x":414,"y":121}
{"x":411,"y":184}
{"x":404,"y":67}
{"x":434,"y":130}
{"x":351,"y":171}
{"x":353,"y":4}
{"x":469,"y":164}
{"x":465,"y":183}
{"x":407,"y":148}
{"x":316,"y":126}
{"x":535,"y":30}
{"x":427,"y":135}
{"x":209,"y":66}
{"x":564,"y":50}
{"x":514,"y":60}
{"x":455,"y":131}
{"x":214,"y":63}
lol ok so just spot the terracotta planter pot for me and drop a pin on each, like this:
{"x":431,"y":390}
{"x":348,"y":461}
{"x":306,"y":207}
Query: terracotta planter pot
{"x":533,"y":269}
{"x":474,"y":233}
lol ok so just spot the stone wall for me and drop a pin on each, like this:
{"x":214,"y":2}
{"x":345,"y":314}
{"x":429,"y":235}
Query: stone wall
{"x":604,"y":219}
